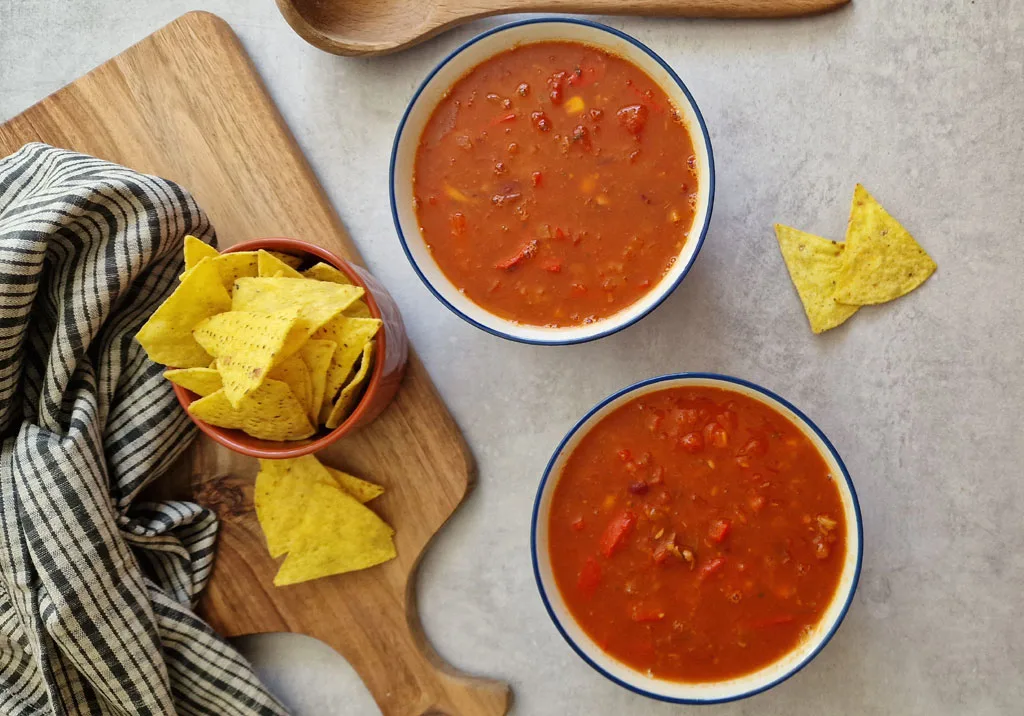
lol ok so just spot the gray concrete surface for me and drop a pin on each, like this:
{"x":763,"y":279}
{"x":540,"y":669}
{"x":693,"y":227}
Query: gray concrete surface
{"x":923,"y":102}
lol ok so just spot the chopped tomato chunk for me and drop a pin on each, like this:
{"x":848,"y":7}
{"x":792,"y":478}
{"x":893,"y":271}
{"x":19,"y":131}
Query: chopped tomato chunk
{"x":642,"y":613}
{"x":616,"y":532}
{"x":692,"y":442}
{"x":633,"y":118}
{"x":590,"y":577}
{"x":719,"y":530}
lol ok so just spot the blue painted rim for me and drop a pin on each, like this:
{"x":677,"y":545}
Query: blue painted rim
{"x":570,"y":21}
{"x":727,"y":380}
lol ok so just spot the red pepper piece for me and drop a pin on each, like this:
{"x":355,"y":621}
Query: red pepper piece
{"x":772,"y":621}
{"x":710,"y":567}
{"x":526,"y":251}
{"x":616,"y":532}
{"x":510,"y":117}
{"x":536,"y":178}
{"x":590,"y":577}
{"x":554,"y":266}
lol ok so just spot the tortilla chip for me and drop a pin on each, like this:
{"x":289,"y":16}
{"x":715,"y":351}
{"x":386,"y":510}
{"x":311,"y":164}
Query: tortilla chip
{"x":318,"y":302}
{"x":351,"y":334}
{"x":326,"y":272}
{"x":167,"y":336}
{"x":287,"y":259}
{"x":352,"y":391}
{"x":196,"y":250}
{"x":201,"y":381}
{"x":270,"y":412}
{"x":337,"y":535}
{"x":282,"y":495}
{"x":318,"y":355}
{"x":247,"y":345}
{"x":270,"y":265}
{"x":882,"y":261}
{"x":813,"y":264}
{"x":360,"y":489}
{"x":294,"y":373}
{"x":358,"y":309}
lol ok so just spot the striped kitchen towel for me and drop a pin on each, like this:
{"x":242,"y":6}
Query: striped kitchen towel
{"x":97,"y":587}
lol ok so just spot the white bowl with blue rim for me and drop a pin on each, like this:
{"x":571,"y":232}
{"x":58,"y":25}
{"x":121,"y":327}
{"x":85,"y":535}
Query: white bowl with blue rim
{"x":446,"y":74}
{"x":696,"y":692}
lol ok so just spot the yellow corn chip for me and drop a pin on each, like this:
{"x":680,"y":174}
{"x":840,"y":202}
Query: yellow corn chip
{"x":882,"y":260}
{"x":281,"y":497}
{"x":318,"y":355}
{"x":294,"y":373}
{"x":360,"y":489}
{"x":287,"y":259}
{"x":358,"y":309}
{"x":326,"y":272}
{"x":270,"y":412}
{"x":247,"y":345}
{"x":201,"y":381}
{"x":270,"y":265}
{"x":167,"y":335}
{"x":318,"y":302}
{"x":351,"y":334}
{"x":353,"y":389}
{"x":337,"y":535}
{"x":813,"y":264}
{"x":196,"y":250}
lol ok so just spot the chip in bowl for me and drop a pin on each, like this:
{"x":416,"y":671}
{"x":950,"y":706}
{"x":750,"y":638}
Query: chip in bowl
{"x":269,"y":350}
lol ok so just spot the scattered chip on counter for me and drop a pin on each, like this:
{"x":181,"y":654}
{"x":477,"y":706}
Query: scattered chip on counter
{"x":360,"y":489}
{"x":813,"y":264}
{"x":879,"y":261}
{"x":338,"y":534}
{"x":883,"y":261}
{"x":315,"y":515}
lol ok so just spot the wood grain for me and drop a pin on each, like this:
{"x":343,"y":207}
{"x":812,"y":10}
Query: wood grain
{"x":186,"y":103}
{"x":357,"y":27}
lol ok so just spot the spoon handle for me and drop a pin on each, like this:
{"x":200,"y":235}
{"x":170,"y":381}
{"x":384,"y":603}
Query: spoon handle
{"x":658,"y":8}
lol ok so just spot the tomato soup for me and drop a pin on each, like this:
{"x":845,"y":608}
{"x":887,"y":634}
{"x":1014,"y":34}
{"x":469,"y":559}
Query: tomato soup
{"x":555,"y":184}
{"x":696,"y":534}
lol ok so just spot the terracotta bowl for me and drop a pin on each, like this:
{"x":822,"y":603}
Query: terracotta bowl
{"x":388,"y":368}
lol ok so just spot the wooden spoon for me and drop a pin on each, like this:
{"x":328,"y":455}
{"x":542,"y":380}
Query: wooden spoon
{"x":376,"y":27}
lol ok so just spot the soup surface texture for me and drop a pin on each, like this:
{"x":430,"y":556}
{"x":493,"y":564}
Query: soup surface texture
{"x":696,"y":534}
{"x":555,"y":184}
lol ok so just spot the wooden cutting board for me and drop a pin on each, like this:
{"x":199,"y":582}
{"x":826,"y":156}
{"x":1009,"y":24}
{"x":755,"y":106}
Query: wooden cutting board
{"x":186,"y":104}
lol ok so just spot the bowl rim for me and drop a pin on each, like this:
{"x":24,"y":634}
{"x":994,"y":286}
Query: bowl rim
{"x":728,"y":381}
{"x":613,"y":327}
{"x":224,"y":436}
